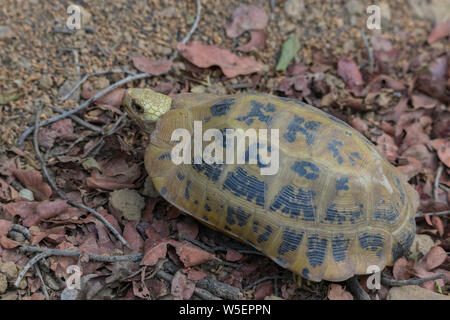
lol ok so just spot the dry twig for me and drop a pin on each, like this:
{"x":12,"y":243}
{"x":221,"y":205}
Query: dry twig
{"x":386,"y":281}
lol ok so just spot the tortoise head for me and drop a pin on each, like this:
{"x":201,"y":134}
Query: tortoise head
{"x":145,"y":106}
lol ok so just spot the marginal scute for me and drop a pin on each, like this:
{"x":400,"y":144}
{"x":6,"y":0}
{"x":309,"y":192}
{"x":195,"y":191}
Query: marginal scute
{"x":334,"y":207}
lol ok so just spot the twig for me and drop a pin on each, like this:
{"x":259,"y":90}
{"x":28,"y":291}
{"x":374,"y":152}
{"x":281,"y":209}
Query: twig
{"x":80,"y":121}
{"x":251,"y":285}
{"x":355,"y":287}
{"x":75,"y":58}
{"x":369,"y":50}
{"x":83,"y":105}
{"x":44,"y":287}
{"x":76,"y":253}
{"x":193,"y":28}
{"x":220,"y":289}
{"x":436,"y":182}
{"x":61,"y":194}
{"x":386,"y":281}
{"x":30,"y":263}
{"x":88,"y":75}
{"x":201,"y":293}
{"x":441,"y":213}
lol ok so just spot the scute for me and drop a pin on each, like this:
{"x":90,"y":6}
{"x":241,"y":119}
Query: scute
{"x":334,"y":208}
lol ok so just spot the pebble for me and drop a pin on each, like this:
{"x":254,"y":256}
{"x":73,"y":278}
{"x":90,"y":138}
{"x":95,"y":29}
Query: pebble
{"x":9,"y":269}
{"x":5,"y":33}
{"x":414,"y":293}
{"x":294,"y":8}
{"x":46,"y":82}
{"x":129,"y":204}
{"x":3,"y":283}
{"x":26,"y":194}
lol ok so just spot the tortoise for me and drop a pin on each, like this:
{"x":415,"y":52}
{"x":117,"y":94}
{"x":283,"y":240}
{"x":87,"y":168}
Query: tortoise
{"x":335,"y":207}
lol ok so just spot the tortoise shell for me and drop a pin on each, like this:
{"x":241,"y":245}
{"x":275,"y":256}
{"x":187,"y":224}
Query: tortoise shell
{"x":334,"y":208}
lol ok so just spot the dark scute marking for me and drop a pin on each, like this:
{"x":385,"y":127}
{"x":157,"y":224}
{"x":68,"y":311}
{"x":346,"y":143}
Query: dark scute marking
{"x":163,"y":190}
{"x":221,"y":108}
{"x":372,"y":242}
{"x":335,"y":216}
{"x":165,"y":156}
{"x":207,"y":207}
{"x":265,"y":235}
{"x":306,"y":169}
{"x":307,"y":129}
{"x":401,"y":190}
{"x":195,"y":201}
{"x":316,"y":248}
{"x":389,"y":214}
{"x":257,"y":112}
{"x":242,"y":185}
{"x":258,"y":160}
{"x":205,"y":218}
{"x":237,"y":214}
{"x":333,"y":146}
{"x":211,"y":171}
{"x":295,"y":205}
{"x":342,"y":184}
{"x":291,"y":240}
{"x":401,"y":247}
{"x":352,"y":156}
{"x":305,"y":273}
{"x":227,"y":228}
{"x":339,"y":245}
{"x":180,"y":176}
{"x":281,"y":262}
{"x":186,"y":191}
{"x":356,"y":155}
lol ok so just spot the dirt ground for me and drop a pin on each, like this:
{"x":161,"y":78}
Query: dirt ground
{"x":41,"y":60}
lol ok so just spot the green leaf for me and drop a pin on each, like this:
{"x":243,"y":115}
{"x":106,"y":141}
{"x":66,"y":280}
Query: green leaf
{"x":7,"y":97}
{"x":288,"y":52}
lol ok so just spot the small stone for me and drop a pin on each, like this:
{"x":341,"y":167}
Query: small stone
{"x":294,"y":8}
{"x":354,"y":7}
{"x":169,"y":12}
{"x":6,"y":32}
{"x":100,"y":83}
{"x":69,"y":294}
{"x":46,"y":82}
{"x":3,"y":283}
{"x":9,"y":269}
{"x":26,"y":194}
{"x":385,"y":11}
{"x":67,"y":86}
{"x":128,"y":204}
{"x":414,"y":293}
{"x":23,"y":284}
{"x":422,"y":244}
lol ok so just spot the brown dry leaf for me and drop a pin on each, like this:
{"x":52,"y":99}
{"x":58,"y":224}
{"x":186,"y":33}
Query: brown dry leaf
{"x":246,"y":18}
{"x":5,"y":227}
{"x":62,"y":129}
{"x":32,"y":179}
{"x":437,"y":223}
{"x":423,"y":101}
{"x":442,"y":146}
{"x":97,"y":180}
{"x":191,"y":255}
{"x":196,"y":275}
{"x":440,"y":30}
{"x":152,"y":66}
{"x":402,"y":269}
{"x":233,"y":255}
{"x":45,"y":210}
{"x":20,"y":208}
{"x":156,"y":252}
{"x":349,"y":72}
{"x":433,"y":259}
{"x":337,"y":292}
{"x":257,"y":40}
{"x":133,"y":237}
{"x":386,"y":145}
{"x":113,"y":98}
{"x":205,"y":56}
{"x":188,"y":228}
{"x":181,"y":287}
{"x":8,"y":243}
{"x":263,"y":290}
{"x":410,"y":167}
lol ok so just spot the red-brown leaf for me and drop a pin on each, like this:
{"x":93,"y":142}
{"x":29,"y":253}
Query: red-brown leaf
{"x":32,"y":179}
{"x":349,"y":72}
{"x":257,"y":40}
{"x":191,"y":255}
{"x":182,"y":288}
{"x":246,"y":18}
{"x":263,"y":289}
{"x":133,"y":237}
{"x":45,"y":210}
{"x":442,"y":146}
{"x":440,"y":30}
{"x":337,"y":292}
{"x":152,"y":66}
{"x":233,"y":255}
{"x":205,"y":56}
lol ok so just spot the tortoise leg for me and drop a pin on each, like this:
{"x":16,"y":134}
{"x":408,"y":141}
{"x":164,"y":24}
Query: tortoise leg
{"x":355,"y":288}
